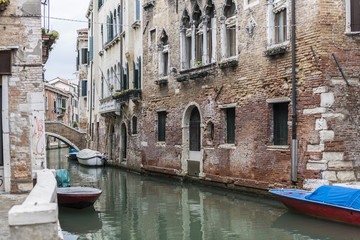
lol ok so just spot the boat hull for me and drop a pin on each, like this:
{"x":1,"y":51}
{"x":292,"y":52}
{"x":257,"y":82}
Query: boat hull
{"x":77,"y":197}
{"x":72,"y":156}
{"x":318,"y":209}
{"x":93,"y":161}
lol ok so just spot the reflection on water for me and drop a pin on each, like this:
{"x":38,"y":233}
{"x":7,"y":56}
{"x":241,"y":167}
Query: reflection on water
{"x":140,"y":207}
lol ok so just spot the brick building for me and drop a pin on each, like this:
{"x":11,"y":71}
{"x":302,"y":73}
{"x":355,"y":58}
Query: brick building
{"x":218,"y":98}
{"x":22,"y":95}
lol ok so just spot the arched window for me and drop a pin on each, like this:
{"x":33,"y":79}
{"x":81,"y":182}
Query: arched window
{"x":108,"y":83}
{"x":164,"y":54}
{"x":115,"y":79}
{"x":197,"y":35}
{"x":228,"y":27}
{"x":115,"y":27}
{"x":119,"y":19}
{"x":210,"y":31}
{"x":111,"y":28}
{"x":111,"y":82}
{"x":185,"y":41}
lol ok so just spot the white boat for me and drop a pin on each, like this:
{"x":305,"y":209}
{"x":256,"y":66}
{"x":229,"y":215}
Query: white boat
{"x":91,"y":158}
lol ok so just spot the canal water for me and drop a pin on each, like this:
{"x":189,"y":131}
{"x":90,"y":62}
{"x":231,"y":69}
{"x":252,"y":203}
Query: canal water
{"x":142,"y":207}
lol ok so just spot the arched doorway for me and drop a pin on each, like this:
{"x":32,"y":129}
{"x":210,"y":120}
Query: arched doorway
{"x":192,"y":132}
{"x":123,"y":143}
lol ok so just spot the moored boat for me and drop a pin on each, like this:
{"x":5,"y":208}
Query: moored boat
{"x":91,"y":158}
{"x":72,"y":154}
{"x":77,"y":197}
{"x":333,"y":203}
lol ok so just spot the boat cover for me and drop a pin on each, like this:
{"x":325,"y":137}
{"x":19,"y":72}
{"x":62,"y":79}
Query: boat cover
{"x":74,"y":151}
{"x":63,"y":178}
{"x":88,"y":153}
{"x":342,"y":196}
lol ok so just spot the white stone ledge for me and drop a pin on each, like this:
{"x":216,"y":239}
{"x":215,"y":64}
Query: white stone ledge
{"x":326,"y":135}
{"x":41,"y":204}
{"x":341,"y":81}
{"x":315,"y":148}
{"x":317,"y":110}
{"x":323,"y":89}
{"x":333,"y":156}
{"x":227,"y":146}
{"x":333,"y":115}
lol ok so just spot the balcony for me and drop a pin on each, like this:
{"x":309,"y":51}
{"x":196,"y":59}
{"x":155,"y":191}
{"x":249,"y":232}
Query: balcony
{"x":109,"y":107}
{"x":128,"y":94}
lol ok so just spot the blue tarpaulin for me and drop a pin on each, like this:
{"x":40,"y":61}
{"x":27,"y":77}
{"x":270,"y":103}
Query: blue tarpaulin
{"x":63,"y":178}
{"x":342,"y":196}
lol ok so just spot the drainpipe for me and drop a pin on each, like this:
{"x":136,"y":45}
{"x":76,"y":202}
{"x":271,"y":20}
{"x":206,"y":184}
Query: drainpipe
{"x":294,"y":141}
{"x":91,"y":78}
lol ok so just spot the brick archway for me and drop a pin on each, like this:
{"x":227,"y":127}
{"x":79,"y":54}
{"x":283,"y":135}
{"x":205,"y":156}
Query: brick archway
{"x":71,"y":136}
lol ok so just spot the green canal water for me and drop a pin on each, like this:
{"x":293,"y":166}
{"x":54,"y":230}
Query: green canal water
{"x":142,"y":207}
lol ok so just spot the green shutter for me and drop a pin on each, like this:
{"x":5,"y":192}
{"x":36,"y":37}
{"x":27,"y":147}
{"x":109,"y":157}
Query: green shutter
{"x":139,"y":72}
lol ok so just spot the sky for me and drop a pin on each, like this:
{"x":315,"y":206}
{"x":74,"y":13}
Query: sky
{"x":62,"y":59}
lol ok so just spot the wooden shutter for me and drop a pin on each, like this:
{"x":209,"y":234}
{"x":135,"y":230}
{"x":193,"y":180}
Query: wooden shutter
{"x":280,"y":123}
{"x":5,"y":62}
{"x":135,"y":76}
{"x":230,"y":125}
{"x":161,"y":126}
{"x":355,"y":15}
{"x":139,"y":73}
{"x":127,"y":76}
{"x":83,"y":88}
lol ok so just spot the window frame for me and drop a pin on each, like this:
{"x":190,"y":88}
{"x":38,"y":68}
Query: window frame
{"x":277,"y":109}
{"x":348,"y":17}
{"x":273,"y":9}
{"x":230,"y":115}
{"x":161,"y":131}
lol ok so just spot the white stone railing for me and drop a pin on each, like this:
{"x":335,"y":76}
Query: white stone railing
{"x":37,"y":216}
{"x":109,"y":105}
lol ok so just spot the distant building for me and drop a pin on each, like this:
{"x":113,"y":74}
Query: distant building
{"x":82,"y":61}
{"x":61,"y":101}
{"x":22,"y":142}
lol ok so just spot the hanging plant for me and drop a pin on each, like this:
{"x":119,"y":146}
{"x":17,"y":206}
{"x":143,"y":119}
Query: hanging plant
{"x":4,"y":4}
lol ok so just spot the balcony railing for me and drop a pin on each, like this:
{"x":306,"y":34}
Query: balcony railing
{"x":126,"y":95}
{"x":109,"y":106}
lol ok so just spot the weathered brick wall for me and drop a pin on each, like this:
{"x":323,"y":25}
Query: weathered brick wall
{"x":25,"y":92}
{"x":257,"y":78}
{"x":73,"y":135}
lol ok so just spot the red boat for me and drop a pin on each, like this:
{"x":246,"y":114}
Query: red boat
{"x":333,"y":203}
{"x":77,"y":197}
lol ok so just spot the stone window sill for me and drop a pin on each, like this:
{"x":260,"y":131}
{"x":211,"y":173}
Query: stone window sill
{"x":278,"y":147}
{"x":227,"y":146}
{"x":161,"y":144}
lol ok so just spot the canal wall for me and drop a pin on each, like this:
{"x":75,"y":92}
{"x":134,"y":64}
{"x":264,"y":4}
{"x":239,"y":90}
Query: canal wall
{"x":37,"y":216}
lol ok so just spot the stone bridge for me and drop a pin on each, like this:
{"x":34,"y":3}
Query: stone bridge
{"x":71,"y":136}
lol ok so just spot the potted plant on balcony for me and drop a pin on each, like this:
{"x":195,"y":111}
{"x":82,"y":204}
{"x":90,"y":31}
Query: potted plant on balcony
{"x":4,"y":4}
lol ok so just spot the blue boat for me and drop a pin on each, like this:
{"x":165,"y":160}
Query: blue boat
{"x":72,"y":154}
{"x":333,"y":203}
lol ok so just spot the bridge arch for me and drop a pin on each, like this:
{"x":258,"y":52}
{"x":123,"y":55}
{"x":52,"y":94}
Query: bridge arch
{"x":63,"y":139}
{"x":71,"y":136}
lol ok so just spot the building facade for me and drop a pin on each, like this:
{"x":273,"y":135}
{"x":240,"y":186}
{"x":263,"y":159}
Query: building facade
{"x":81,"y":68}
{"x":226,"y":98}
{"x":114,"y":78}
{"x":22,"y":96}
{"x":216,"y":91}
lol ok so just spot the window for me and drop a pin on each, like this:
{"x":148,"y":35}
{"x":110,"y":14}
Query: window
{"x":83,"y":88}
{"x":186,"y":34}
{"x":210,"y":39}
{"x":280,"y":26}
{"x":152,"y":37}
{"x":102,"y":36}
{"x":137,"y":10}
{"x":250,"y":3}
{"x":134,"y":125}
{"x":54,"y":109}
{"x":230,"y":125}
{"x":199,"y":28}
{"x":280,"y":118}
{"x":100,"y":3}
{"x":229,"y":30}
{"x":84,"y":56}
{"x":115,"y":27}
{"x":352,"y":16}
{"x":278,"y":23}
{"x":46,"y":104}
{"x":164,"y":55}
{"x":161,"y":126}
{"x":91,"y":49}
{"x":125,"y":80}
{"x":137,"y":74}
